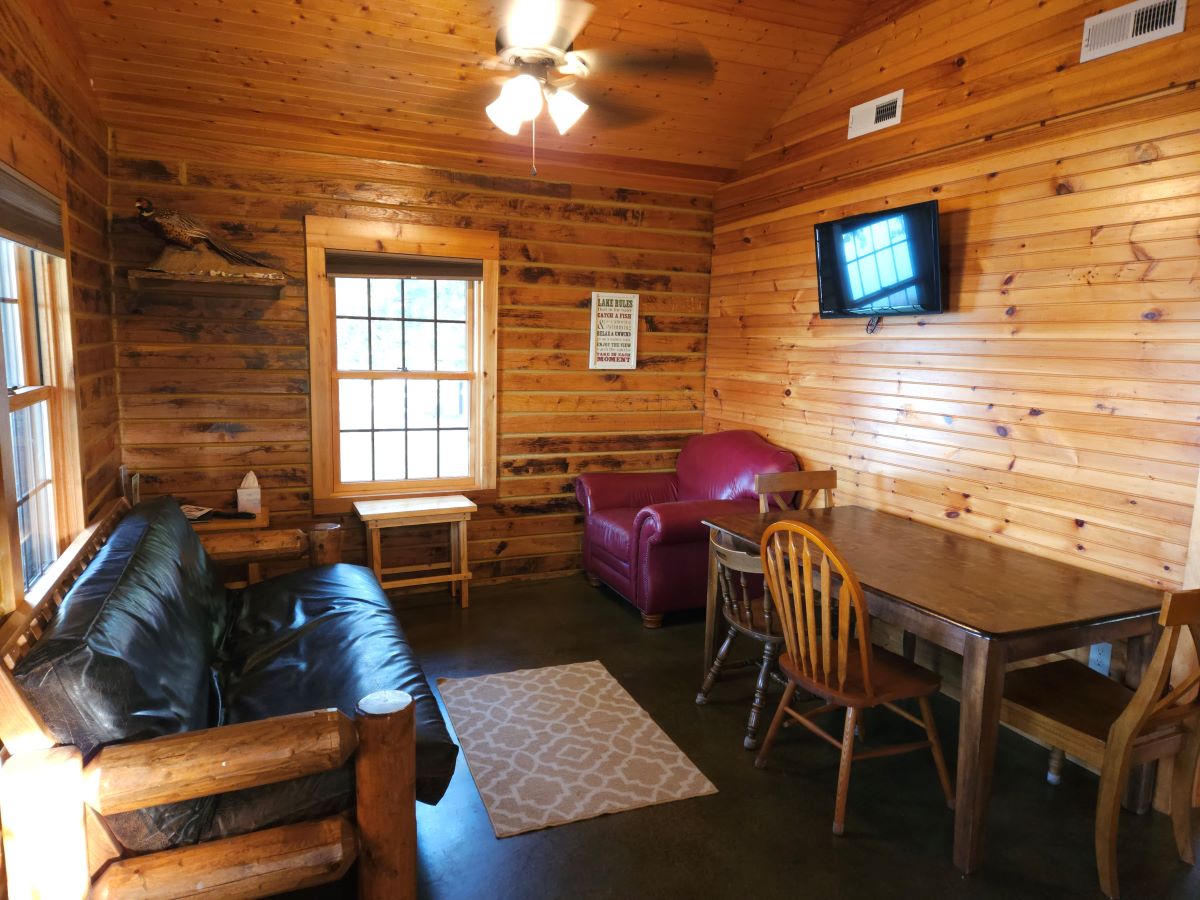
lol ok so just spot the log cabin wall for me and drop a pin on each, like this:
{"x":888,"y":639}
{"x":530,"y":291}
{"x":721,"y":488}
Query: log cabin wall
{"x":53,"y":135}
{"x":1056,"y":407}
{"x":211,"y":387}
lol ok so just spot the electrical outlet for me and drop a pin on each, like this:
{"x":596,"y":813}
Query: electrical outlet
{"x":1100,"y":658}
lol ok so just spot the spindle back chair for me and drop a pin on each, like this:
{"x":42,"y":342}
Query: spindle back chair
{"x":747,"y":611}
{"x":794,"y":490}
{"x":827,"y":636}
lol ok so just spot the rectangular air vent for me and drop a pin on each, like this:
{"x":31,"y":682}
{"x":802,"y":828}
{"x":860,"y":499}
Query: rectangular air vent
{"x":1130,"y":26}
{"x":876,"y":114}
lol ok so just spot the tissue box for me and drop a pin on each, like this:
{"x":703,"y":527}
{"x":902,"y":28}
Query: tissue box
{"x":249,"y":495}
{"x":249,"y":500}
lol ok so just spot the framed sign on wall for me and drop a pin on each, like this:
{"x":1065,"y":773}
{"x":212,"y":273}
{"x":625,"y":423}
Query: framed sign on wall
{"x":614,"y":331}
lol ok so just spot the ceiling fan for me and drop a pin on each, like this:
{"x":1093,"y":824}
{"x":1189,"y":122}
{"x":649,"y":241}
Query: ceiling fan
{"x":537,"y":43}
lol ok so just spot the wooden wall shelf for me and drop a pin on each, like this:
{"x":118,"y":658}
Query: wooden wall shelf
{"x":176,"y":266}
{"x":149,"y":278}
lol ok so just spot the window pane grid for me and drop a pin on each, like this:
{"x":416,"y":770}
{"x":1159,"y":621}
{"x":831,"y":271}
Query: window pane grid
{"x":401,"y":324}
{"x":408,"y":429}
{"x":393,"y":427}
{"x":37,"y":528}
{"x":8,"y":269}
{"x":10,"y":316}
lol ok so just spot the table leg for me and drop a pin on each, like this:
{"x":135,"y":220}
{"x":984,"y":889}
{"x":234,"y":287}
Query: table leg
{"x":710,"y":607}
{"x":454,"y":586}
{"x":463,"y":566}
{"x":374,"y":557}
{"x":979,"y":721}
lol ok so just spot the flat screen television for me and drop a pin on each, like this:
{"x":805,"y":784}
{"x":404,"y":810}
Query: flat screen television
{"x":880,"y":264}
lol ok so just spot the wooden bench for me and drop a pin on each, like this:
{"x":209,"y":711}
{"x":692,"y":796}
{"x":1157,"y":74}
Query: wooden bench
{"x":52,"y":801}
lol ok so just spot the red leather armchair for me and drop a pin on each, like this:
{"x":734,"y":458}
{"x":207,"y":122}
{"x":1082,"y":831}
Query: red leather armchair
{"x":642,"y":532}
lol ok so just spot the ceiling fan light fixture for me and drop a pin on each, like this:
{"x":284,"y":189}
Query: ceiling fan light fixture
{"x":523,"y":94}
{"x":565,"y":108}
{"x":520,"y":101}
{"x":503,"y":117}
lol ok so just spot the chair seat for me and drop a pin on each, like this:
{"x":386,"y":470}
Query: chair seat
{"x":612,"y":530}
{"x":1068,"y":705}
{"x":894,"y":678}
{"x":752,"y":622}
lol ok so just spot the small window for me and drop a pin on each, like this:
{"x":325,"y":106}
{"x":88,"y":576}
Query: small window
{"x":45,"y":470}
{"x":403,"y":359}
{"x":415,"y":425}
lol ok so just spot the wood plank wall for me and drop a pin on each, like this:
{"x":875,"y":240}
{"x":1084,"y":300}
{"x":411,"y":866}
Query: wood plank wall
{"x":210,"y":387}
{"x":51,"y":132}
{"x":1056,"y":408}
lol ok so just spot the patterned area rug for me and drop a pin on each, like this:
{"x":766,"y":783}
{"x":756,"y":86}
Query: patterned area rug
{"x":561,"y":744}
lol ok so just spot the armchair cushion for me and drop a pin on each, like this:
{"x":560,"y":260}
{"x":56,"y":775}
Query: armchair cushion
{"x":612,"y":531}
{"x":597,"y":491}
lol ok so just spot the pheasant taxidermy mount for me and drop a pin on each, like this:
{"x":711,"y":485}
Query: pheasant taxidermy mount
{"x":184,"y":231}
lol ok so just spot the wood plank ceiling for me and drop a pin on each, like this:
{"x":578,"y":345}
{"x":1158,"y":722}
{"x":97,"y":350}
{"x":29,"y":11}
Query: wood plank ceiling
{"x":373,"y":75}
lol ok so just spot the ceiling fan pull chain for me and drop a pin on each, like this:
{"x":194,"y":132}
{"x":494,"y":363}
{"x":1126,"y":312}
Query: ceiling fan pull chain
{"x":533,"y":149}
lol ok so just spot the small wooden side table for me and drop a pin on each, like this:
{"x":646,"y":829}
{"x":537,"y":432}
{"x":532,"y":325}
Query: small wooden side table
{"x":221,"y":526}
{"x":262,"y":519}
{"x":454,"y":510}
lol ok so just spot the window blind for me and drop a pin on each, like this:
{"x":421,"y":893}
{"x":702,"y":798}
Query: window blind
{"x":395,"y":265}
{"x":29,"y":215}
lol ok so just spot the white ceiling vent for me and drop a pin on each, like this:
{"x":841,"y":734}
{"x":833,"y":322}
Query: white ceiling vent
{"x":1130,"y":26}
{"x":873,"y":115}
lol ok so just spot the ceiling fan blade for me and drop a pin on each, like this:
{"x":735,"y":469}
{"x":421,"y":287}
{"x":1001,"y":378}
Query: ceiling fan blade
{"x":543,"y":23}
{"x":493,"y":64}
{"x":605,"y":111}
{"x":692,"y":61}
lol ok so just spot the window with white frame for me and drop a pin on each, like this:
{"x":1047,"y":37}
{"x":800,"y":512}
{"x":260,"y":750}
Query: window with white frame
{"x":403,"y":378}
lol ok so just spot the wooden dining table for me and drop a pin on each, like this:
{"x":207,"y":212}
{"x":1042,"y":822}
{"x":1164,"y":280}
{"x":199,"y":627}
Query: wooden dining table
{"x":991,"y":604}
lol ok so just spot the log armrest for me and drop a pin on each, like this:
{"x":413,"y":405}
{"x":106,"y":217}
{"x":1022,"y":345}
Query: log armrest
{"x":124,"y":777}
{"x":53,"y":799}
{"x":322,"y":545}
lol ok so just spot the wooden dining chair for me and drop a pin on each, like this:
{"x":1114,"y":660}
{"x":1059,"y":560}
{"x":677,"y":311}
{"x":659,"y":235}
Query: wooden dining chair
{"x":1112,"y":728}
{"x":751,"y":613}
{"x":828,"y":652}
{"x":747,"y":612}
{"x":794,"y":490}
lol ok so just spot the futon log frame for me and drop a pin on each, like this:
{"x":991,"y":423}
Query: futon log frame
{"x":51,"y":802}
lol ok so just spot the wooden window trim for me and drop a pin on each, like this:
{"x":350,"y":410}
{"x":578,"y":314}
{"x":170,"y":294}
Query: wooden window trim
{"x":322,"y":234}
{"x":53,"y":319}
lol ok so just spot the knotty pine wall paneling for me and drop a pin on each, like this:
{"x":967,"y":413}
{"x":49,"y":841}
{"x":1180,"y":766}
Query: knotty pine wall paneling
{"x":211,"y":385}
{"x":1056,"y":407}
{"x":51,"y":132}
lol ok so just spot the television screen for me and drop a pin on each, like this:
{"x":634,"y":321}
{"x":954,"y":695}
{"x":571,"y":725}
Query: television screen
{"x":880,"y":264}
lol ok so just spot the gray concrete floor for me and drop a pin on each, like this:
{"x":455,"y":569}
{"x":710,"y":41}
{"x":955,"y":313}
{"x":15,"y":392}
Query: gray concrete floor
{"x":766,"y":834}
